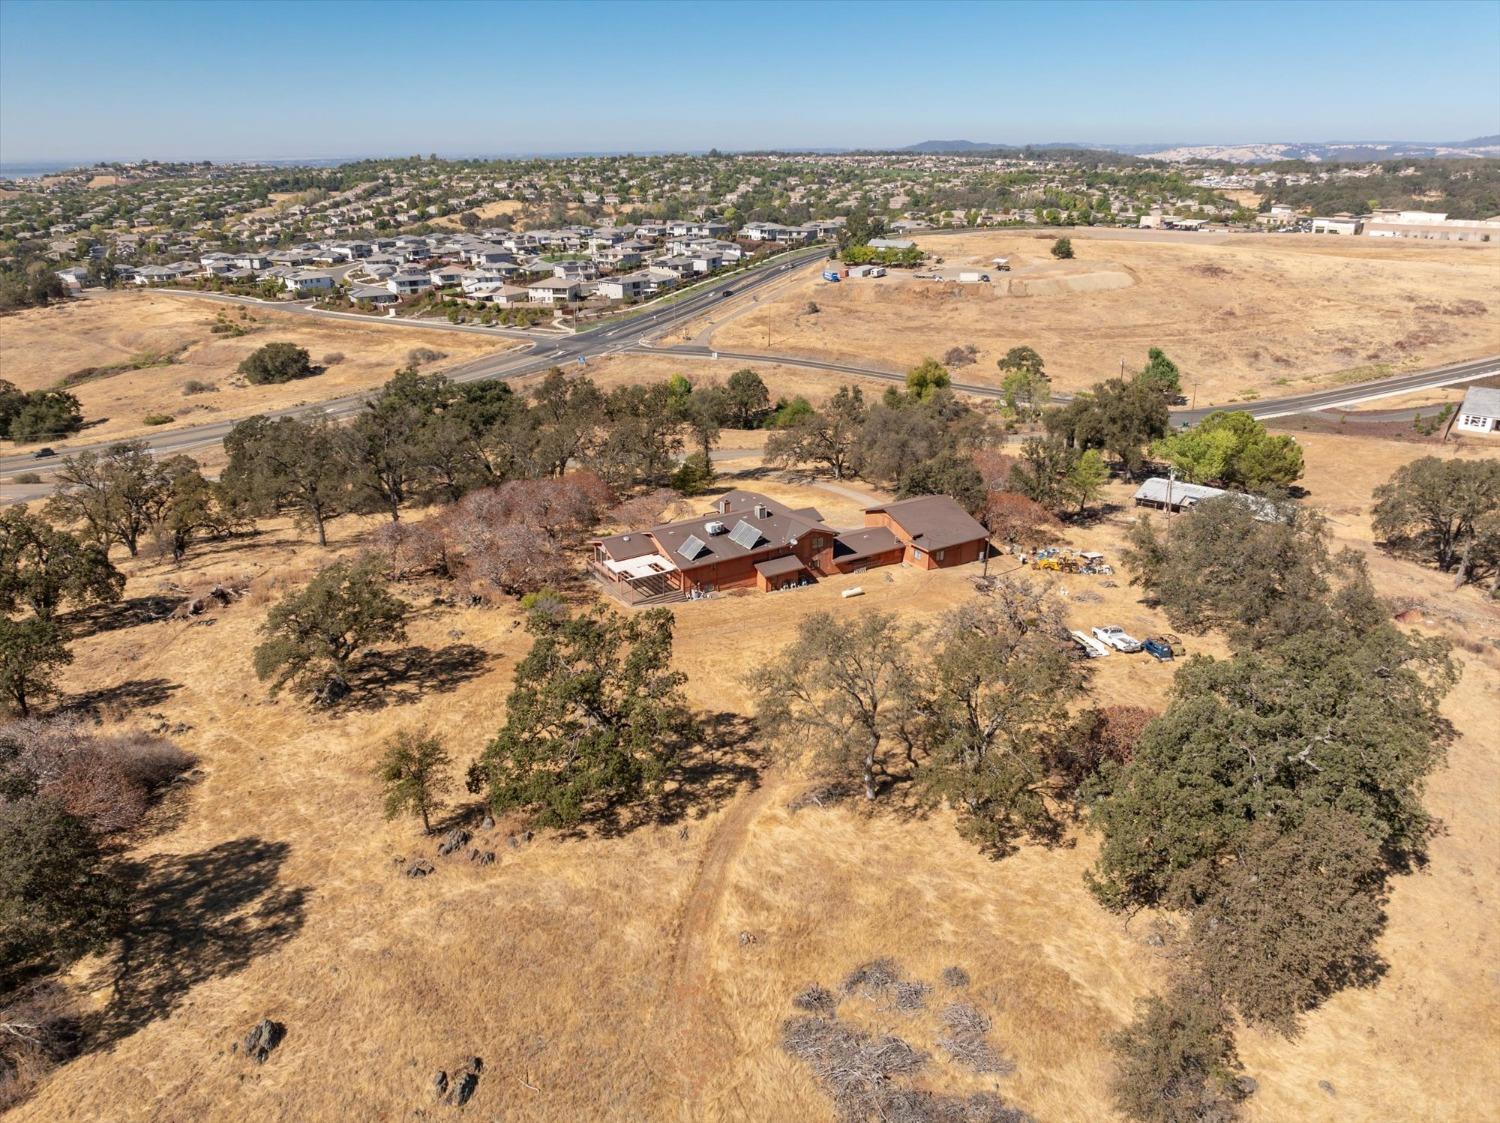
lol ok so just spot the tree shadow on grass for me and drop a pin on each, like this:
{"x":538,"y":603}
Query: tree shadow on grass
{"x":114,"y":701}
{"x":129,"y":613}
{"x":192,"y":918}
{"x":385,"y":678}
{"x":701,"y":780}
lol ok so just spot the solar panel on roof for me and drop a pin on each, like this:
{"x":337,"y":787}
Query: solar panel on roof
{"x":744,"y":535}
{"x":691,"y":547}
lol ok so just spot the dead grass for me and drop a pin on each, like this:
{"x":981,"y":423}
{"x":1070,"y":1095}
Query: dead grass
{"x":41,"y":347}
{"x":559,"y":963}
{"x":488,"y":211}
{"x":1239,"y":316}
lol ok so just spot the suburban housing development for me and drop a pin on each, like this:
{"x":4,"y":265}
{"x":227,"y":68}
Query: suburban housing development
{"x":751,"y":541}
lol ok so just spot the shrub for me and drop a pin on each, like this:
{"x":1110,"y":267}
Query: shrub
{"x":419,"y":355}
{"x":28,"y":478}
{"x":106,"y":781}
{"x":196,"y":386}
{"x":960,"y":356}
{"x":811,"y":308}
{"x":276,"y":362}
{"x":1062,"y":249}
{"x":333,"y":358}
{"x":158,"y":419}
{"x":1176,"y":1062}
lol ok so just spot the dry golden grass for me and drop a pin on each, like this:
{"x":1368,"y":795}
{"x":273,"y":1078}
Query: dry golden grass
{"x":488,"y":211}
{"x":39,"y":347}
{"x":1250,"y":316}
{"x":606,"y":978}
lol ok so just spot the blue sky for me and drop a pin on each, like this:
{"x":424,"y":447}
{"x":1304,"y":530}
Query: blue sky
{"x":230,"y":80}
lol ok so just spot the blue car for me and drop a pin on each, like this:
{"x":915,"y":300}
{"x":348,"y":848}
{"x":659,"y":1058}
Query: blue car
{"x":1158,"y":648}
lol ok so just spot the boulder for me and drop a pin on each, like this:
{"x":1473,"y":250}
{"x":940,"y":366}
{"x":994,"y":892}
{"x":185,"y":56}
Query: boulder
{"x":465,"y":1080}
{"x":262,"y":1039}
{"x":439,"y":1083}
{"x":454,"y":839}
{"x":420,"y":868}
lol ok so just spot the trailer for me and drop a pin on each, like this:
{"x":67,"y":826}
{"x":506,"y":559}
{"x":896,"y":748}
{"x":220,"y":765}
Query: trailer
{"x":831,"y":275}
{"x":1091,"y":647}
{"x":973,"y":277}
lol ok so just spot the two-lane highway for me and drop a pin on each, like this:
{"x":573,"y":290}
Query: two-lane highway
{"x":547,"y":350}
{"x":634,"y":334}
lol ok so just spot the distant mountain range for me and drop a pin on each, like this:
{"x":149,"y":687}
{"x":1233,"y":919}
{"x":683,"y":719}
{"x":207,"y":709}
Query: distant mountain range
{"x":1485,"y":146}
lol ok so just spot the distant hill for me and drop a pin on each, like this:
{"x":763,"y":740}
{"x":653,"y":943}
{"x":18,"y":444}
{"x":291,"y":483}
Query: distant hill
{"x":1251,"y":153}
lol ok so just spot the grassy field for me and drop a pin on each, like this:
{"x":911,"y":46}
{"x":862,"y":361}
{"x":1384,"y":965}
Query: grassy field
{"x":1251,"y":317}
{"x":171,"y":337}
{"x":644,"y":975}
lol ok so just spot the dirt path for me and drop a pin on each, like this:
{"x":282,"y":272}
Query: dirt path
{"x":702,"y":1026}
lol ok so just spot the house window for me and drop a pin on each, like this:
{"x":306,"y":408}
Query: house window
{"x":938,"y":555}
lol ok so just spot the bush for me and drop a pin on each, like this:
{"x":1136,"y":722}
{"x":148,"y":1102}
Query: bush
{"x":419,"y":355}
{"x":28,"y":478}
{"x":196,"y":386}
{"x":1176,"y":1062}
{"x":158,"y":419}
{"x":1062,"y":249}
{"x":276,"y":362}
{"x":106,"y":781}
{"x":333,"y":358}
{"x":960,"y":356}
{"x":811,"y":308}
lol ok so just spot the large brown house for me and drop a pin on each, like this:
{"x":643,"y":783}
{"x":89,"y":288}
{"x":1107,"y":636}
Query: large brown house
{"x":750,"y":540}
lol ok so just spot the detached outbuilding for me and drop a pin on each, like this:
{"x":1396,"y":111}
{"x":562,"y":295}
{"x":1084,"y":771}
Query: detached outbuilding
{"x":1479,"y":412}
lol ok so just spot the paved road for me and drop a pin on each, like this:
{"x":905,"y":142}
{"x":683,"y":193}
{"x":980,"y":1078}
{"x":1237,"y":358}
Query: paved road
{"x":545,"y":351}
{"x":635,"y":334}
{"x":1339,"y":397}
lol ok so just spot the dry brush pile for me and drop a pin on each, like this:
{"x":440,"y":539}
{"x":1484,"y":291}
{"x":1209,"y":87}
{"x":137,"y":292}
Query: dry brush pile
{"x":871,"y":1073}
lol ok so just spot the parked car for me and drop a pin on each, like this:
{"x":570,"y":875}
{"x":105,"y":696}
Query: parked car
{"x":1174,"y":645}
{"x":1157,"y":648}
{"x":1112,"y":635}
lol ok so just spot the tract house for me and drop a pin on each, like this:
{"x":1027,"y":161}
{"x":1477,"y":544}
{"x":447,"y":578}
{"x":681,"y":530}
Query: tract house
{"x":750,"y":541}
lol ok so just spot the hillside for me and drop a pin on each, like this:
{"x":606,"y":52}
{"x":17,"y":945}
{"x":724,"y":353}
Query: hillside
{"x":642,"y":969}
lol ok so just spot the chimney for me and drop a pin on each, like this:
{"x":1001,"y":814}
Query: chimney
{"x":762,"y":511}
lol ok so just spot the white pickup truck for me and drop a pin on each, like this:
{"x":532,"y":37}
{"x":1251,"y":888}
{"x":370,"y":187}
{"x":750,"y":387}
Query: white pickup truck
{"x":1116,"y":637}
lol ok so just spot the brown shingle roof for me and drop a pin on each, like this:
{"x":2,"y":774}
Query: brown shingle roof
{"x":933,"y":522}
{"x":855,"y":544}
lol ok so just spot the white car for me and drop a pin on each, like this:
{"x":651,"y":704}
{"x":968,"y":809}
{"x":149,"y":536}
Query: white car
{"x":1118,"y":638}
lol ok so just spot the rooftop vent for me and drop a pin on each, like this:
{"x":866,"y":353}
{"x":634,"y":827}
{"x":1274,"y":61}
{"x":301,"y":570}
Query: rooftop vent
{"x":715,"y":527}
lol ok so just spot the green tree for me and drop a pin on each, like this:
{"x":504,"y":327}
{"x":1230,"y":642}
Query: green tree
{"x":996,"y":708}
{"x":706,"y":410}
{"x":1026,"y":385}
{"x":1438,"y":506}
{"x":827,"y":437}
{"x":114,"y":495}
{"x":1043,"y":473}
{"x":12,"y":400}
{"x":190,"y":507}
{"x":1086,"y":479}
{"x":1341,"y":717}
{"x":46,"y":415}
{"x":925,"y":378}
{"x":1062,"y":249}
{"x":276,"y":362}
{"x":1161,"y":374}
{"x":1235,"y":450}
{"x":694,"y":476}
{"x":58,"y":899}
{"x":947,"y":473}
{"x":289,"y":462}
{"x":1293,"y":918}
{"x":1117,"y":416}
{"x":42,"y":566}
{"x":1225,"y":565}
{"x":596,"y":717}
{"x":845,"y":690}
{"x":748,"y":399}
{"x":31,"y":651}
{"x":313,"y":636}
{"x":1176,"y":1061}
{"x":413,"y":773}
